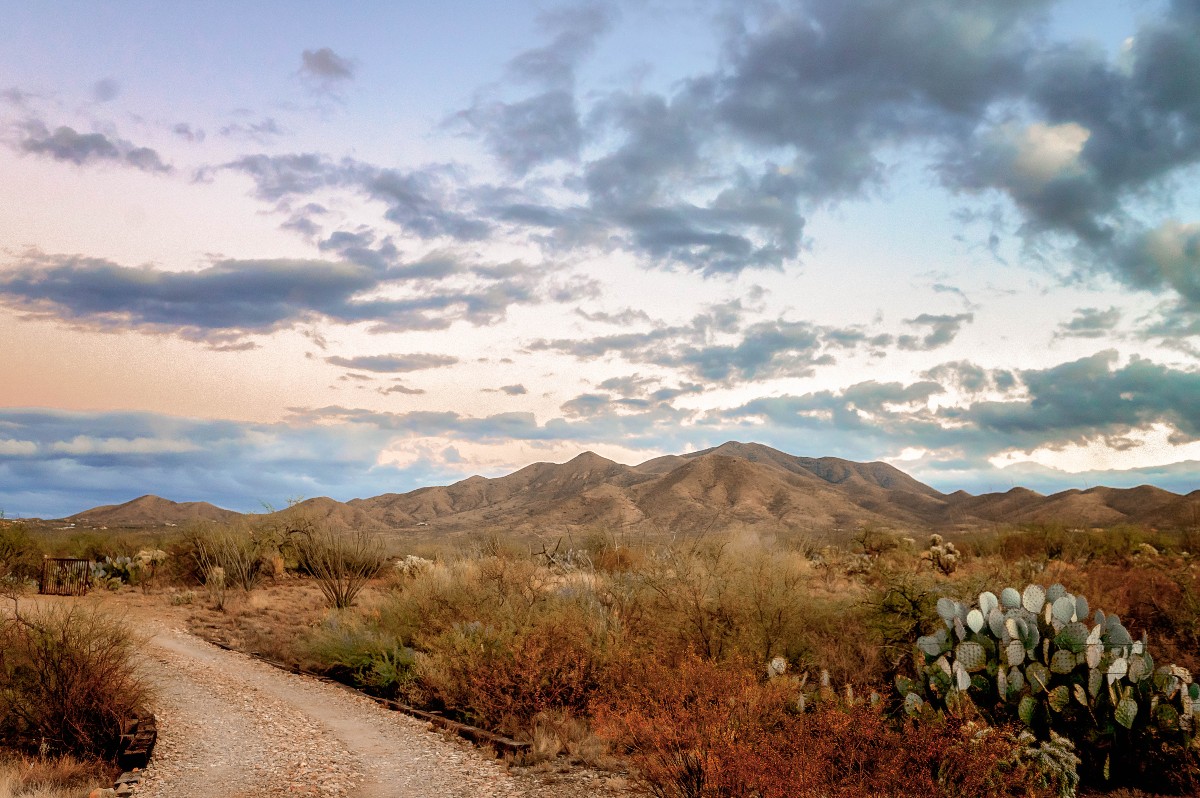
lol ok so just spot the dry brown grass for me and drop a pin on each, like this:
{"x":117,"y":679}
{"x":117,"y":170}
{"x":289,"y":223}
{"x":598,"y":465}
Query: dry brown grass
{"x":268,"y":621}
{"x":62,"y":777}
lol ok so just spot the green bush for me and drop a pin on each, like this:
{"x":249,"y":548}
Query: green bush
{"x":20,"y":554}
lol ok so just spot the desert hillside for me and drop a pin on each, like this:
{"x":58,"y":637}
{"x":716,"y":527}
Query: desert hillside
{"x":728,"y":487}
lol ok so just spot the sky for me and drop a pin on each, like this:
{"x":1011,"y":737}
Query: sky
{"x":257,"y":252}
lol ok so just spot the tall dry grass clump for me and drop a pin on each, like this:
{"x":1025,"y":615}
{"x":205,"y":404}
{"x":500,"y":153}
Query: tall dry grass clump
{"x":51,"y":777}
{"x":67,"y":680}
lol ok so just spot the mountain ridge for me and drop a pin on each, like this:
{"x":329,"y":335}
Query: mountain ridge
{"x":732,"y":486}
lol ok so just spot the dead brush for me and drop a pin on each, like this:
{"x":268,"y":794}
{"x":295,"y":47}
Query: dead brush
{"x":69,"y":679}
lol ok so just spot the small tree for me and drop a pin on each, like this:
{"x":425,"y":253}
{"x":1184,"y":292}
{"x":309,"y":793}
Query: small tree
{"x":342,"y":561}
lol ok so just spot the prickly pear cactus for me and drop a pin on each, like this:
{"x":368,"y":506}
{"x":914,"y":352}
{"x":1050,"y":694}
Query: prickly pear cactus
{"x":1035,"y":655}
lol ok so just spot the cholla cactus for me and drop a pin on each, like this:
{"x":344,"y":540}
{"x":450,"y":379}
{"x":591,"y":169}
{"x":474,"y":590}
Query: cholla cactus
{"x":941,"y":554}
{"x":1040,"y":656}
{"x":412,"y":566}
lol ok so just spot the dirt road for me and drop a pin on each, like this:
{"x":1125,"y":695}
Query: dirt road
{"x":232,"y":726}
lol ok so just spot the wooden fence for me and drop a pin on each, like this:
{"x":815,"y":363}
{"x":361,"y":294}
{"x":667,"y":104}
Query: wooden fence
{"x":62,"y":576}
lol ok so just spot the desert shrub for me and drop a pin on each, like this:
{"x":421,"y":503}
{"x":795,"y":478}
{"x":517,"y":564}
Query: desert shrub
{"x":341,"y":561}
{"x":68,"y":681}
{"x":20,"y":554}
{"x":504,"y":677}
{"x":694,"y":728}
{"x":241,"y":552}
{"x":351,"y":650}
{"x":1007,"y":761}
{"x":898,"y":610}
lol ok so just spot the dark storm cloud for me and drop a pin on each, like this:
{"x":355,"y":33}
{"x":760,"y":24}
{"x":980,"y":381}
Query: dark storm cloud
{"x":393,"y":363}
{"x":942,"y":331}
{"x":66,"y":144}
{"x":1090,"y":323}
{"x":234,"y":298}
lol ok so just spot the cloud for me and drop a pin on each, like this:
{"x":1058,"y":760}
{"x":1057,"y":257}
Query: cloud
{"x":65,"y":144}
{"x":106,"y":90}
{"x":545,"y":127}
{"x":104,"y":458}
{"x":188,"y":132}
{"x":1072,"y":403}
{"x":233,"y":298}
{"x":942,"y":331}
{"x":1090,"y":323}
{"x":400,"y":388}
{"x":717,"y":347}
{"x":325,"y":70}
{"x":421,"y":201}
{"x":393,"y":363}
{"x":261,"y":131}
{"x":514,"y":390}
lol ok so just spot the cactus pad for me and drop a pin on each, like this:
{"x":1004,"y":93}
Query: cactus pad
{"x":971,"y":655}
{"x":1055,"y":592}
{"x":1118,"y":669}
{"x":1016,"y":680}
{"x":995,"y":622}
{"x":1166,"y":717}
{"x":975,"y":620}
{"x":988,"y":602}
{"x":1034,"y":598}
{"x":1081,"y":608}
{"x":1038,"y":676}
{"x":1063,"y":610}
{"x":1014,"y":652}
{"x":1062,"y":662}
{"x":929,"y":645}
{"x":1026,"y":709}
{"x":1010,"y":599}
{"x":947,"y":610}
{"x":1137,"y":668}
{"x":913,"y":703}
{"x":1116,"y":634}
{"x":1059,"y":697}
{"x":1126,"y":712}
{"x":1073,"y":637}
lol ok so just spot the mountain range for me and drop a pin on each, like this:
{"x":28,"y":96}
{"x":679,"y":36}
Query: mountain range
{"x":732,"y":486}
